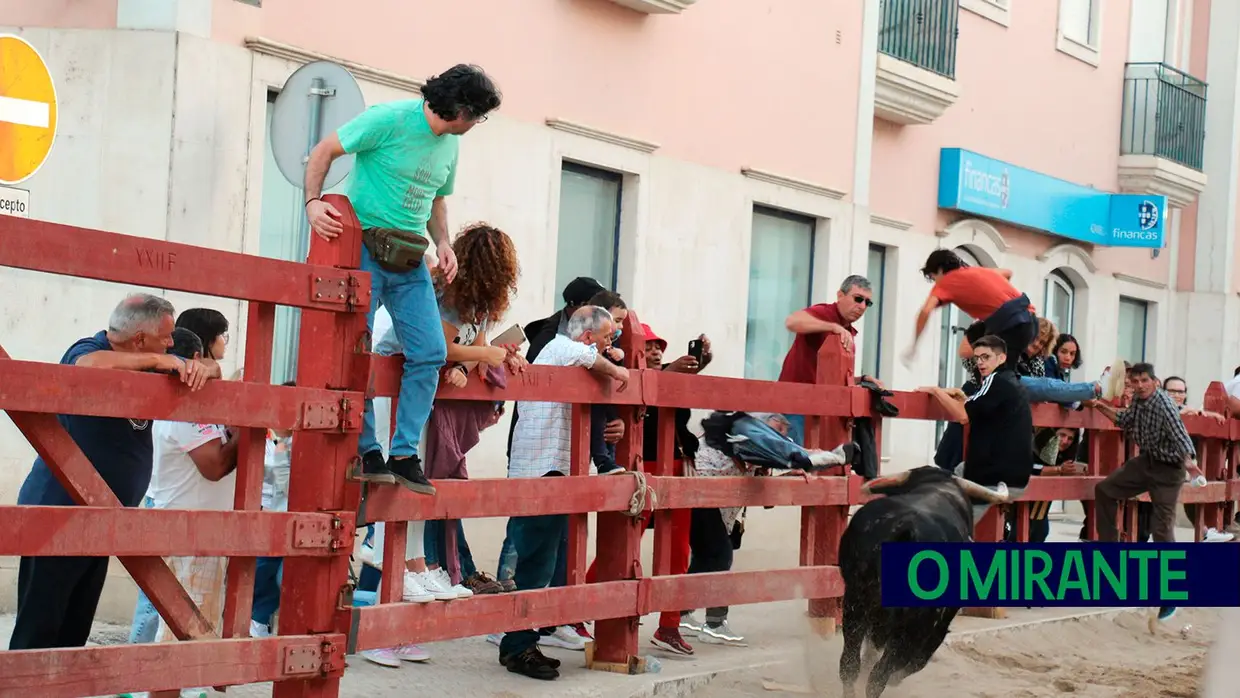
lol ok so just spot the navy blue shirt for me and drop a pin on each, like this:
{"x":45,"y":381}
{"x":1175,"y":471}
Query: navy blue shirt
{"x":120,"y":449}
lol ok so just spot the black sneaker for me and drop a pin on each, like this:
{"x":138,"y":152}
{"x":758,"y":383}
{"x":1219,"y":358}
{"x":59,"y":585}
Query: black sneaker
{"x":408,"y":473}
{"x":375,"y":470}
{"x":533,"y":664}
{"x":610,"y":469}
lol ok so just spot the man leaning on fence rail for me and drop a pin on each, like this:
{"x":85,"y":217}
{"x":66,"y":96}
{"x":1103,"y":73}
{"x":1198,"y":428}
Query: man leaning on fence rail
{"x":57,"y":596}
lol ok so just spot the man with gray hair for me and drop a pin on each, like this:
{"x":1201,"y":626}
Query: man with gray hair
{"x":57,"y":596}
{"x":542,"y":447}
{"x":813,"y":324}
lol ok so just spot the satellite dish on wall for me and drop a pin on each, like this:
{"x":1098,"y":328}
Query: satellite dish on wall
{"x":317,"y":99}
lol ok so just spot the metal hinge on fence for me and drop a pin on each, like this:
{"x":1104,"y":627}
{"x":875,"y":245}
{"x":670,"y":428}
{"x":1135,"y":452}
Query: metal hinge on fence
{"x":339,"y":288}
{"x":319,"y":533}
{"x":344,"y":415}
{"x":325,"y":659}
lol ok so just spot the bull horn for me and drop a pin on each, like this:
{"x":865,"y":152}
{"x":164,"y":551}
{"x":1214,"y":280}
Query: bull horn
{"x":881,"y":483}
{"x":976,"y":491}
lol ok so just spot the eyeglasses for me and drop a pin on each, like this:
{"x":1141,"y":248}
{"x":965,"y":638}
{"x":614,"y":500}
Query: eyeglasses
{"x":863,"y":300}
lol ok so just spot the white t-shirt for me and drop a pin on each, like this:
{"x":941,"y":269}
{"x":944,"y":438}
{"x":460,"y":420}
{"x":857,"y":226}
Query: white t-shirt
{"x":176,"y":482}
{"x":1233,"y":387}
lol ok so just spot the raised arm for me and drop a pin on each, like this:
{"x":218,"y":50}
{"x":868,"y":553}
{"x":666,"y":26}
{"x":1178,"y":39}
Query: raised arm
{"x":804,"y":322}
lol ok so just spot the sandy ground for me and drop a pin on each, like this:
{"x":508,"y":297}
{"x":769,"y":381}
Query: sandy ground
{"x":1110,"y":655}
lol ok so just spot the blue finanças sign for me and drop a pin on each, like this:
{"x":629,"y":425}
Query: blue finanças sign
{"x":984,"y":186}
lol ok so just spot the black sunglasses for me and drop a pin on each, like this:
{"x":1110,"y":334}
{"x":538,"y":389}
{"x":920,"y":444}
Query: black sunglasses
{"x":868,"y":302}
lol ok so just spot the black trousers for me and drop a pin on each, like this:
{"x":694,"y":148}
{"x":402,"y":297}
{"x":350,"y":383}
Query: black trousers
{"x":56,"y":601}
{"x":710,"y":550}
{"x":1018,"y":339}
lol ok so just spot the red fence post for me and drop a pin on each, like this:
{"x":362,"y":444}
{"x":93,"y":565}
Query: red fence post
{"x":822,"y":527}
{"x":239,"y":597}
{"x":618,"y":543}
{"x":332,"y":350}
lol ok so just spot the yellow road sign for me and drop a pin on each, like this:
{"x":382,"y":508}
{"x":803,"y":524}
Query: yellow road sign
{"x":27,"y":110}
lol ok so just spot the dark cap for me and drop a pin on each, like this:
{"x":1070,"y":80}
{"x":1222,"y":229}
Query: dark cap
{"x":580,"y":290}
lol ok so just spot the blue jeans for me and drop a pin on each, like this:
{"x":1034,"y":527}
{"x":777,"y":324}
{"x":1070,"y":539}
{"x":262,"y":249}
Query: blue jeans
{"x":508,"y":560}
{"x":1053,"y":390}
{"x":145,"y":617}
{"x":268,"y":576}
{"x":410,"y":299}
{"x":796,"y":428}
{"x":537,"y":540}
{"x":507,"y":556}
{"x":766,"y":447}
{"x":434,"y":540}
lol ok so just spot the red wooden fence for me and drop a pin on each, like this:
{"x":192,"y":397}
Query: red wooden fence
{"x":318,"y":625}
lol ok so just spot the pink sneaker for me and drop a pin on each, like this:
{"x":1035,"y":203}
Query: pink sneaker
{"x":412,"y":653}
{"x":384,"y":657}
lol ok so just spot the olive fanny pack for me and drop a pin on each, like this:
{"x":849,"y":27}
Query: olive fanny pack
{"x":395,"y":250}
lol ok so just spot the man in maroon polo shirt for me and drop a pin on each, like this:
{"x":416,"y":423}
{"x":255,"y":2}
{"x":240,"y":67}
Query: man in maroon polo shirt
{"x":812,"y":326}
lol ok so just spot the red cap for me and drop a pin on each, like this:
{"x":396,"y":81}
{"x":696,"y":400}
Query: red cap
{"x":652,"y":337}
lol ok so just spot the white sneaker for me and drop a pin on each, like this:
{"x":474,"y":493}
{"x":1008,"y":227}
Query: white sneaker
{"x":690,"y":626}
{"x":411,"y":653}
{"x":259,"y":629}
{"x":720,"y":635}
{"x":1213,"y":535}
{"x":564,"y":637}
{"x":1113,"y":380}
{"x":824,"y":458}
{"x":384,"y":657}
{"x":430,"y":582}
{"x":461,"y":591}
{"x":415,"y":592}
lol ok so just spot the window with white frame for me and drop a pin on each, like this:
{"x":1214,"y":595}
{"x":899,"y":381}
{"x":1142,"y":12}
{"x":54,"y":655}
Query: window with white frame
{"x":872,"y":331}
{"x":1060,"y":304}
{"x":998,"y":11}
{"x":1079,"y":21}
{"x":589,"y":226}
{"x":1150,"y":37}
{"x":1133,"y":328}
{"x":781,"y":272}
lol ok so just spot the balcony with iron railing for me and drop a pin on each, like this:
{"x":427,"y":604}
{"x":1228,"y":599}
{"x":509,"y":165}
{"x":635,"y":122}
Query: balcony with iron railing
{"x":1162,"y":132}
{"x":916,"y":76}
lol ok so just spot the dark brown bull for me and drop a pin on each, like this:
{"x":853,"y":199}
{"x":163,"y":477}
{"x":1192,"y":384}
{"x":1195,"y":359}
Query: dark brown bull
{"x":923,"y":505}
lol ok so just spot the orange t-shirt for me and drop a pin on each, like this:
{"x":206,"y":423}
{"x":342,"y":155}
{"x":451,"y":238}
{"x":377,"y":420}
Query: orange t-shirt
{"x":978,"y":291}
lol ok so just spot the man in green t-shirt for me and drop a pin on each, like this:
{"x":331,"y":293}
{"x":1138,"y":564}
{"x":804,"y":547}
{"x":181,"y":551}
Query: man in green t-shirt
{"x":405,"y":170}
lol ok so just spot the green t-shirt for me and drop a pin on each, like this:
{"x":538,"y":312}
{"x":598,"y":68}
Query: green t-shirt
{"x":401,"y":166}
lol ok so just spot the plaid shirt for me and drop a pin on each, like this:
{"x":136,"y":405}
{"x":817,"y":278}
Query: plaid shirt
{"x":1155,"y":425}
{"x":542,"y":441}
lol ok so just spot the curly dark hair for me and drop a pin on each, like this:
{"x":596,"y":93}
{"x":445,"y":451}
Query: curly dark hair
{"x":487,"y":273}
{"x":461,"y":91}
{"x":942,"y":261}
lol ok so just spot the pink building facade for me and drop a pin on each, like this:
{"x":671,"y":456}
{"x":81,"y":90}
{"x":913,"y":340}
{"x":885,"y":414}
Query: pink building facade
{"x":719,"y":162}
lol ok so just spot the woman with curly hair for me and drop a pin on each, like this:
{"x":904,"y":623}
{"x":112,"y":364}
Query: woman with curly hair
{"x":470,"y":308}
